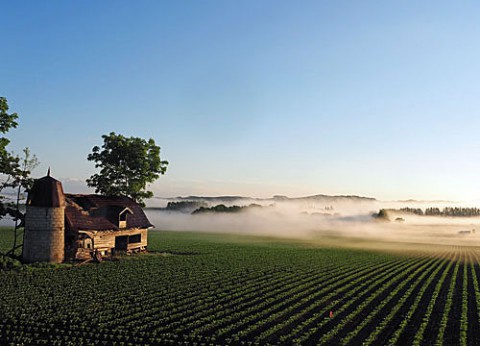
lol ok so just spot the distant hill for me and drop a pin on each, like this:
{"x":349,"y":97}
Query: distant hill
{"x":425,"y":201}
{"x":340,"y":198}
{"x":241,"y":200}
{"x":216,"y":199}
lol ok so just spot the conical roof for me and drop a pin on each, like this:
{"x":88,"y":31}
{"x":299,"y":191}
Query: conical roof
{"x":46,"y":192}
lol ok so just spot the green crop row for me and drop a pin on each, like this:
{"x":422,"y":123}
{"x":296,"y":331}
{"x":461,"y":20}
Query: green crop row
{"x":207,"y":289}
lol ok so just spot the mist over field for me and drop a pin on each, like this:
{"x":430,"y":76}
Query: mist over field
{"x":314,"y":219}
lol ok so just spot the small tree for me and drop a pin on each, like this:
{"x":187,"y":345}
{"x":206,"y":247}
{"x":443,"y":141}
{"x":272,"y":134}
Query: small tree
{"x":126,"y":165}
{"x":24,"y":182}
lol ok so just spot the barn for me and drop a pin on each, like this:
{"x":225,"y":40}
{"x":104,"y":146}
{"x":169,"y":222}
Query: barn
{"x":61,"y":226}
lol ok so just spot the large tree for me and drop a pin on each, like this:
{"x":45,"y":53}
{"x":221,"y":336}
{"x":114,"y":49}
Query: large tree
{"x":8,"y":162}
{"x":14,"y":170}
{"x":127,"y":165}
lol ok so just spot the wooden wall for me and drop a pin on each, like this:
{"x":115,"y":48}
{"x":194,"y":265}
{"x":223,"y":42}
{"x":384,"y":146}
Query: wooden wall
{"x":106,"y":239}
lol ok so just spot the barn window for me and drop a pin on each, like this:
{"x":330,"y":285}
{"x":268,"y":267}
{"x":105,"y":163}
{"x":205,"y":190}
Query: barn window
{"x":137,"y":238}
{"x":122,"y":217}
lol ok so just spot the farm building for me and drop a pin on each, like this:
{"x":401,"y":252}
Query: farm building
{"x":61,"y":226}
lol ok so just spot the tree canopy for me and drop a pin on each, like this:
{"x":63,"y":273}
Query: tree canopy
{"x":8,"y":162}
{"x":14,"y":170}
{"x":127,"y":165}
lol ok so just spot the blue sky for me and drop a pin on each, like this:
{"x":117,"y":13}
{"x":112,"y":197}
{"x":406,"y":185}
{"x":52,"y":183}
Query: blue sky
{"x":256,"y":98}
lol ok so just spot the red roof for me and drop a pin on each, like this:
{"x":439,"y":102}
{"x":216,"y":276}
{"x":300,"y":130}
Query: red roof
{"x":97,"y":212}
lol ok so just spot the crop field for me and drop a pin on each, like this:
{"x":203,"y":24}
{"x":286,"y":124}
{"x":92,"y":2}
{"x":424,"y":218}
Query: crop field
{"x":207,"y":289}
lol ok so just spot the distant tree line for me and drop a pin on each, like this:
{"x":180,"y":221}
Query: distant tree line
{"x":416,"y":211}
{"x":434,"y":211}
{"x":453,"y":211}
{"x":186,"y":206}
{"x":222,"y":208}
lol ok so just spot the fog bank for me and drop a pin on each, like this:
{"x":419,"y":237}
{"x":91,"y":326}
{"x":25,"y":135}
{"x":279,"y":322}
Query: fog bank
{"x":309,"y":220}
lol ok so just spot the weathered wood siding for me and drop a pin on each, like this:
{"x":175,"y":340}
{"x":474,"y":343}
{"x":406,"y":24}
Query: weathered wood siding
{"x":106,"y":239}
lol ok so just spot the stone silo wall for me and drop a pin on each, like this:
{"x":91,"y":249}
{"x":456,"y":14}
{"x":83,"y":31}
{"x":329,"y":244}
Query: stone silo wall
{"x":44,"y":234}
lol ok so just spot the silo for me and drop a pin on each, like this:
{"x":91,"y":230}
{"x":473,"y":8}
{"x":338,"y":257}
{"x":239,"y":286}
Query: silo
{"x":44,"y":239}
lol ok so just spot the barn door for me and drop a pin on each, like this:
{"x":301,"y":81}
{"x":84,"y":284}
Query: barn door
{"x":121,"y":243}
